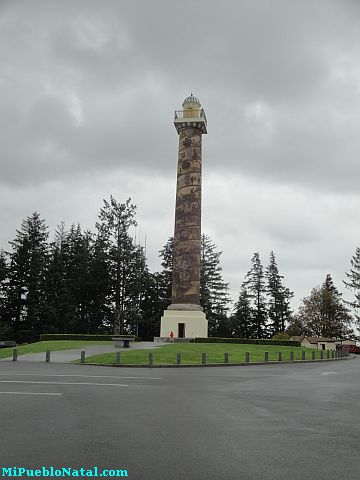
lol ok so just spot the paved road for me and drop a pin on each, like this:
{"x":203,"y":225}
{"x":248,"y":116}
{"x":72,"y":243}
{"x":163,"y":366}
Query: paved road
{"x":271,"y":422}
{"x":67,"y":356}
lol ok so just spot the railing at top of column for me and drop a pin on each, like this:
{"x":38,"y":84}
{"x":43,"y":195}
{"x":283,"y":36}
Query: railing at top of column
{"x":193,"y":114}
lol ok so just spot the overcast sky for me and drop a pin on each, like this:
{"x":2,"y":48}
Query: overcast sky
{"x":87,"y":95}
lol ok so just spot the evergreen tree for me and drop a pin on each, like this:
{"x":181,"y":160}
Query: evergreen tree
{"x":155,"y":301}
{"x":78,"y":261}
{"x":167,"y":254}
{"x":99,"y":288}
{"x":4,"y":327}
{"x":74,"y":283}
{"x":242,"y":320}
{"x":353,"y":283}
{"x":214,"y":297}
{"x":58,"y":294}
{"x":25,"y":303}
{"x":278,"y":298}
{"x":255,"y":285}
{"x":157,"y":294}
{"x":125,"y":263}
{"x":324,"y":313}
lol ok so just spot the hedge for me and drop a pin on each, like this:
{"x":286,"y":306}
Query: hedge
{"x":254,"y":341}
{"x":73,"y":336}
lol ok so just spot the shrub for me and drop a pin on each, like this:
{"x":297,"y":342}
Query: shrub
{"x":281,"y":336}
{"x":253,"y":341}
{"x":73,"y":336}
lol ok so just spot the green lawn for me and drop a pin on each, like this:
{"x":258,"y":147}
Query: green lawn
{"x":191,"y":354}
{"x":52,"y":345}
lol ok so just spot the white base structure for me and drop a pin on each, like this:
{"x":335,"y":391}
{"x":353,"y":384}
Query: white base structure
{"x":184,"y":324}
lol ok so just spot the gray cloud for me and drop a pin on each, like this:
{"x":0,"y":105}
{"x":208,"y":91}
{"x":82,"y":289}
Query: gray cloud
{"x":87,"y":93}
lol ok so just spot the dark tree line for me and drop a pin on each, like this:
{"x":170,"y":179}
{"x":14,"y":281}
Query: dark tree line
{"x":94,"y":282}
{"x":99,"y":282}
{"x":81,"y":282}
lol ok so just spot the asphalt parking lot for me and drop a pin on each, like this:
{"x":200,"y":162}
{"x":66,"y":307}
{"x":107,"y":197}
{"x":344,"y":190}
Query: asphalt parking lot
{"x":257,"y":422}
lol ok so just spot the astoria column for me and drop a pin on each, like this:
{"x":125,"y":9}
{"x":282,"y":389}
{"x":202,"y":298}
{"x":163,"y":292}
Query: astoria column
{"x":184,"y":317}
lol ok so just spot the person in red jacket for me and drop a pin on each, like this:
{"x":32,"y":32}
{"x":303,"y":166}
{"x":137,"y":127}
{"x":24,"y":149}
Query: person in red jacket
{"x":171,"y":336}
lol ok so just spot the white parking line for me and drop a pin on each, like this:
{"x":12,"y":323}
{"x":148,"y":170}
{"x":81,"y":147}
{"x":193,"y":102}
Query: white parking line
{"x":30,"y":393}
{"x":72,"y":375}
{"x":65,"y":383}
{"x":328,"y":373}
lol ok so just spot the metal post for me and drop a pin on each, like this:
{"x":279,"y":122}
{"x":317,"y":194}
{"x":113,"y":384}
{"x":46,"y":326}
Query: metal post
{"x":14,"y":354}
{"x":247,"y":357}
{"x":328,"y":354}
{"x":82,"y":356}
{"x":322,"y":355}
{"x":280,"y":356}
{"x":291,"y":356}
{"x":203,"y":358}
{"x":151,"y":359}
{"x":313,"y":355}
{"x":117,"y":358}
{"x":266,"y":356}
{"x":47,"y":357}
{"x":332,"y":353}
{"x":303,"y":355}
{"x":226,"y":358}
{"x":178,"y":359}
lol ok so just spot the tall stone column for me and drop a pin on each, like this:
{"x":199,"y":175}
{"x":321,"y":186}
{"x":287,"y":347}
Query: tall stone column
{"x":185,"y":316}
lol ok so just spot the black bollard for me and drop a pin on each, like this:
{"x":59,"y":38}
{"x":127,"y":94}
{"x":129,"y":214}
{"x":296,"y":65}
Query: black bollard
{"x":313,"y":355}
{"x":178,"y":359}
{"x":280,"y":356}
{"x":151,"y":359}
{"x":226,"y":358}
{"x":117,"y":358}
{"x":47,"y":357}
{"x":291,"y":356}
{"x":203,"y":359}
{"x":14,"y":354}
{"x":266,"y":356}
{"x":247,"y":357}
{"x":303,"y":355}
{"x":82,"y":356}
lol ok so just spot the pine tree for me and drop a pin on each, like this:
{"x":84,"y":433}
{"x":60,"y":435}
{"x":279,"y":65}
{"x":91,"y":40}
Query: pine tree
{"x":324,"y":313}
{"x":353,"y":283}
{"x":155,"y":301}
{"x":214,"y":297}
{"x":255,"y":285}
{"x":167,"y":263}
{"x":278,"y":298}
{"x":157,"y":293}
{"x":99,"y":288}
{"x":125,"y":262}
{"x":4,"y":327}
{"x":58,"y":293}
{"x":242,"y":320}
{"x":25,"y":304}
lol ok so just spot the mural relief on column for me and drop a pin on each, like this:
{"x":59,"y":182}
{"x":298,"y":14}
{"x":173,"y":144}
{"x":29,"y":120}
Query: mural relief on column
{"x":187,"y":236}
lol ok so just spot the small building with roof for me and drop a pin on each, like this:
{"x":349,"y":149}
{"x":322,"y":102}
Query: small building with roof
{"x":322,"y":343}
